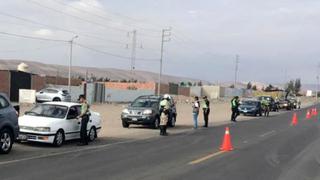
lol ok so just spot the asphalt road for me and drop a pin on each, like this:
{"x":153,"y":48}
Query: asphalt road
{"x":265,"y":149}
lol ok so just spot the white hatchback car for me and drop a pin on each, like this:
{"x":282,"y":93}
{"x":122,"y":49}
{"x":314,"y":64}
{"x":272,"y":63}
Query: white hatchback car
{"x":55,"y":123}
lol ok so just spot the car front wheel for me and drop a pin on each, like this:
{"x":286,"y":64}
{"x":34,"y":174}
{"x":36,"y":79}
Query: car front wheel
{"x":6,"y":141}
{"x":125,"y":124}
{"x":59,"y":139}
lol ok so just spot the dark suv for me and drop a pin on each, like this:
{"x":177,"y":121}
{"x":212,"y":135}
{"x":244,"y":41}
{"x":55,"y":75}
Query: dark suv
{"x":9,"y":127}
{"x":145,"y":110}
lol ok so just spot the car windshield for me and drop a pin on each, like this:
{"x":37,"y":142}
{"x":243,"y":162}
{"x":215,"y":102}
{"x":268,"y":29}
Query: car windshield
{"x":250,"y":103}
{"x":48,"y":110}
{"x":145,"y":103}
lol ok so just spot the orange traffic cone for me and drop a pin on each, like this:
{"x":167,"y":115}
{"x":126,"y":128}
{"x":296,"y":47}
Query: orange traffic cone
{"x":294,"y":121}
{"x":313,"y":112}
{"x":308,"y":116}
{"x":226,"y":145}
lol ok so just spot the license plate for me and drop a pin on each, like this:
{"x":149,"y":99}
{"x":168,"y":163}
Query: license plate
{"x":23,"y":137}
{"x":134,"y":119}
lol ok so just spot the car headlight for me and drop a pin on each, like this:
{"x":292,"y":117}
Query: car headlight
{"x":125,"y":111}
{"x":147,"y":112}
{"x":42,"y":129}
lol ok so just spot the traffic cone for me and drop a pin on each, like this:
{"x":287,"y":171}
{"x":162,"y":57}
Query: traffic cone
{"x":226,"y":145}
{"x":313,"y":112}
{"x":308,"y":116}
{"x":294,"y":121}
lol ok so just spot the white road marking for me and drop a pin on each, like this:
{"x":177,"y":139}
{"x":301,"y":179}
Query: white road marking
{"x":268,"y":133}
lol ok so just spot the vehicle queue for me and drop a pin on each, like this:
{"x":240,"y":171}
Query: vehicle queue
{"x":55,"y":121}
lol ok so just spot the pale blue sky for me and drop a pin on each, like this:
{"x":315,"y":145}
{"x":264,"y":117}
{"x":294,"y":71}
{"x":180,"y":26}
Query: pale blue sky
{"x":270,"y":36}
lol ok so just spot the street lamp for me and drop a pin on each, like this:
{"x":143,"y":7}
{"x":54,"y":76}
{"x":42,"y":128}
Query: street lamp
{"x":317,"y":91}
{"x":70,"y":62}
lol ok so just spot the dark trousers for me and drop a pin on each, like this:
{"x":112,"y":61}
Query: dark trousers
{"x":83,"y":130}
{"x":235,"y":113}
{"x":163,"y":130}
{"x":206,"y":112}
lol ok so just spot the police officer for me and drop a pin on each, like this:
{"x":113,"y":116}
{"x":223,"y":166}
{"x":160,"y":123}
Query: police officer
{"x":164,"y":114}
{"x":266,"y":107}
{"x":206,"y":110}
{"x":84,"y":116}
{"x":234,"y":107}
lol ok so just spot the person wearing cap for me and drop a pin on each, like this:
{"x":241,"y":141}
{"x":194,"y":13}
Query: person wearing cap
{"x":164,"y":114}
{"x":84,"y":116}
{"x":195,"y":111}
{"x":234,"y":107}
{"x":206,"y":110}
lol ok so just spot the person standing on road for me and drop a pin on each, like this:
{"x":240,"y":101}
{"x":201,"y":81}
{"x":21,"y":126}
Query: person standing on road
{"x":195,"y":111}
{"x":164,"y":115}
{"x":206,"y":110}
{"x":84,"y":116}
{"x":234,"y":107}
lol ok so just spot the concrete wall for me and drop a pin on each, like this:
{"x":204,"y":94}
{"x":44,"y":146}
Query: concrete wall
{"x":196,"y":91}
{"x":38,"y":82}
{"x":5,"y":82}
{"x":62,"y":81}
{"x":122,"y":95}
{"x":184,"y":91}
{"x":231,"y":92}
{"x":119,"y":85}
{"x":212,"y":92}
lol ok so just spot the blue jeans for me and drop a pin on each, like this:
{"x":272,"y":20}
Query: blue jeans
{"x":195,"y":119}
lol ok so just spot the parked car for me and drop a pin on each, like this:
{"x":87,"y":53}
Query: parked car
{"x":9,"y":128}
{"x":53,"y":94}
{"x":274,"y":106}
{"x":55,"y":123}
{"x":285,"y":104}
{"x":145,"y":110}
{"x":250,"y":107}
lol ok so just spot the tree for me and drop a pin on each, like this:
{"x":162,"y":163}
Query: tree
{"x":249,"y":85}
{"x":189,"y":84}
{"x":231,"y":86}
{"x":199,"y":83}
{"x":289,"y":88}
{"x":182,"y":84}
{"x":297,"y":86}
{"x":269,"y":88}
{"x":254,"y":87}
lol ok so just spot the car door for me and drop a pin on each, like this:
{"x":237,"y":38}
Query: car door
{"x":72,"y":123}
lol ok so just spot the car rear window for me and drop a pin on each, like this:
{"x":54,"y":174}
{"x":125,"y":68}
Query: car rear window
{"x":145,"y":103}
{"x":65,"y":92}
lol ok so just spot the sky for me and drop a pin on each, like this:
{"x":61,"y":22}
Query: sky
{"x":276,"y":40}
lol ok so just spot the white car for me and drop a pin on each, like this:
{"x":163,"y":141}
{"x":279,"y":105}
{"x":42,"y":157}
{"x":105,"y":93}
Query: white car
{"x":53,"y":94}
{"x":55,"y":123}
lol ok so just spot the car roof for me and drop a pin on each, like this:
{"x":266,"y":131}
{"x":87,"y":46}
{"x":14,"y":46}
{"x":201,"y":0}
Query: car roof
{"x":59,"y":89}
{"x":68,"y":104}
{"x":149,"y":97}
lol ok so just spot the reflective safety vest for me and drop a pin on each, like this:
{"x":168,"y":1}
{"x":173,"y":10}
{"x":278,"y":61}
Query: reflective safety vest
{"x":165,"y":104}
{"x":234,"y":103}
{"x":204,"y":104}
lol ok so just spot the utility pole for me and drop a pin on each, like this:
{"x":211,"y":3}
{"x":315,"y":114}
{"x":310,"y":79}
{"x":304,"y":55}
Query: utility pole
{"x":70,"y":62}
{"x":236,"y":71}
{"x":317,"y":91}
{"x":133,"y":51}
{"x":166,"y":33}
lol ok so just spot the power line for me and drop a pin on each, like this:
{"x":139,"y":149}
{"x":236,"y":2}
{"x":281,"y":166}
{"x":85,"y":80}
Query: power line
{"x":77,"y":17}
{"x":32,"y":37}
{"x":60,"y":29}
{"x":111,"y":54}
{"x":124,"y":16}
